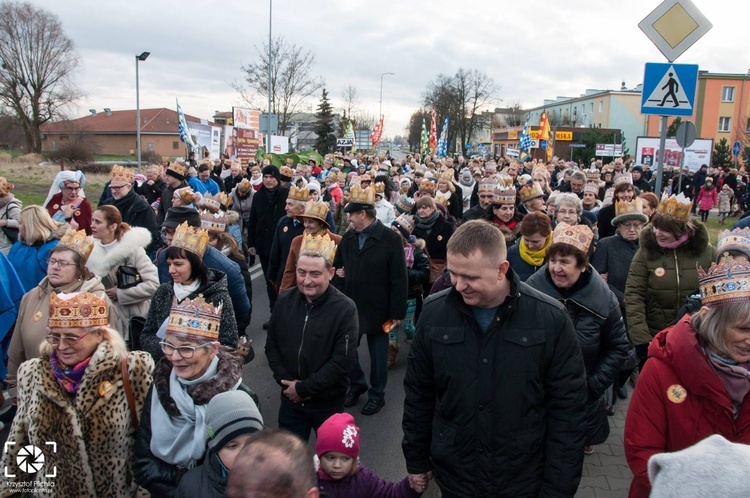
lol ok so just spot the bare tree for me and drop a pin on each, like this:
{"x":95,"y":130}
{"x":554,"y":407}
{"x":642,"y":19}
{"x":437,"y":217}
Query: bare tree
{"x":37,"y":62}
{"x":292,"y":81}
{"x":514,"y":115}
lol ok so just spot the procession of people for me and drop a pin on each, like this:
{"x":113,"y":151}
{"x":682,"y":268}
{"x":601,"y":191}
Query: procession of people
{"x":520,"y":297}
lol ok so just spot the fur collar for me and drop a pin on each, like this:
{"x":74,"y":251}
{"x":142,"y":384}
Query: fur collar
{"x":693,"y":248}
{"x":229,"y":371}
{"x":101,"y":263}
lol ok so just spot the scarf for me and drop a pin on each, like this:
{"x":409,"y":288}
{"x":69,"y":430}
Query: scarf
{"x":734,"y":376}
{"x":511,"y":225}
{"x":677,"y":243}
{"x":429,"y":222}
{"x":68,"y":378}
{"x":534,"y":258}
{"x":409,"y":254}
{"x":181,"y":291}
{"x":271,"y":194}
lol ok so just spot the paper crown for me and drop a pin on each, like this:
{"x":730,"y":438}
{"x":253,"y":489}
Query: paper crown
{"x":177,"y":168}
{"x":215,"y":202}
{"x":487,"y":185}
{"x":428,"y":185}
{"x":191,"y":239}
{"x":622,"y":178}
{"x":578,"y":236}
{"x":629,"y":210}
{"x":530,"y":191}
{"x":728,"y":282}
{"x":286,"y":171}
{"x":404,"y":204}
{"x":504,"y":195}
{"x":78,"y":242}
{"x":447,"y":176}
{"x":442,"y":199}
{"x":591,"y":187}
{"x":298,"y":194}
{"x":362,"y":195}
{"x":379,"y":188}
{"x":120,"y":174}
{"x":186,"y":195}
{"x":318,"y":245}
{"x":405,"y":222}
{"x":195,"y":318}
{"x":213,"y":221}
{"x":675,"y":207}
{"x":245,"y":185}
{"x":164,"y":160}
{"x":315,"y":210}
{"x":736,"y":240}
{"x":505,"y":179}
{"x":592,"y":174}
{"x":365,"y":177}
{"x":540,"y":170}
{"x":78,"y":310}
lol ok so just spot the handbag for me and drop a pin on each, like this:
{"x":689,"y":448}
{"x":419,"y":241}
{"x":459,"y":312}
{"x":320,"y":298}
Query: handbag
{"x":129,"y":392}
{"x":127,"y":277}
{"x":11,"y":233}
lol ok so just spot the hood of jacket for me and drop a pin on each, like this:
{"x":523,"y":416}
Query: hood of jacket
{"x":693,"y":248}
{"x":101,"y":263}
{"x":594,"y":296}
{"x":217,"y":282}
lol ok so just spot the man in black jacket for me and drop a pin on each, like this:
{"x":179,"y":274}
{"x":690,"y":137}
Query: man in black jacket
{"x":287,"y":229}
{"x":311,"y":343}
{"x":371,"y":270}
{"x":151,"y":189}
{"x":495,"y":383}
{"x":174,"y":178}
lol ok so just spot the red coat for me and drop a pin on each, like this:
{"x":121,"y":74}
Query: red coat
{"x":706,"y":199}
{"x":679,"y":400}
{"x":82,"y":215}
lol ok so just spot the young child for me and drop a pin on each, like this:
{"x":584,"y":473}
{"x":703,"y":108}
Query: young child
{"x":340,"y":475}
{"x":725,"y":203}
{"x":231,"y":418}
{"x":706,"y":199}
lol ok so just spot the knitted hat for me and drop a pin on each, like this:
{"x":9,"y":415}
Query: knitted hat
{"x":338,"y":433}
{"x":229,"y":415}
{"x":273,"y":171}
{"x":177,"y":215}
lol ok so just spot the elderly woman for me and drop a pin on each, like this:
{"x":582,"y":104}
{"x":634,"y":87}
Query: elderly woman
{"x":119,"y":258}
{"x":664,"y":270}
{"x":83,"y":394}
{"x":67,"y":272}
{"x":595,"y":312}
{"x":10,"y":209}
{"x":568,"y":209}
{"x":696,"y":381}
{"x":154,"y":185}
{"x":195,"y":368}
{"x":528,"y":254}
{"x":190,"y":279}
{"x":432,"y":227}
{"x":67,"y":203}
{"x":38,"y":234}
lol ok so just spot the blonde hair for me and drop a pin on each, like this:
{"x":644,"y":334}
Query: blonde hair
{"x":38,"y":224}
{"x":110,"y":335}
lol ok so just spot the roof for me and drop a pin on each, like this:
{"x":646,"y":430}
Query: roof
{"x":153,"y":121}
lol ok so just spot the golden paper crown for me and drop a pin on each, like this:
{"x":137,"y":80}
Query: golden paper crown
{"x":365,"y":177}
{"x":675,"y":207}
{"x":318,"y":245}
{"x":78,"y":242}
{"x":164,"y":159}
{"x":623,"y":178}
{"x":195,"y":318}
{"x":191,"y":239}
{"x":362,"y":195}
{"x":207,"y":161}
{"x":504,"y":195}
{"x":592,"y":174}
{"x":213,"y":221}
{"x":286,"y":171}
{"x":487,"y":185}
{"x":380,"y":188}
{"x":591,"y":187}
{"x":315,"y":210}
{"x":428,"y":185}
{"x":539,"y":169}
{"x":406,"y":222}
{"x":298,"y":194}
{"x":442,"y":199}
{"x":530,"y":191}
{"x":728,"y":282}
{"x":186,"y":195}
{"x":404,"y":204}
{"x":447,"y":175}
{"x":578,"y":236}
{"x":120,"y":174}
{"x":177,"y":168}
{"x":244,"y":185}
{"x":506,"y":179}
{"x":629,"y":210}
{"x":215,"y":202}
{"x":79,"y":310}
{"x":736,"y":240}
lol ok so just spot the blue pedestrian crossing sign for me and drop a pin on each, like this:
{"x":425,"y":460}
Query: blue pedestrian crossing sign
{"x":669,"y":89}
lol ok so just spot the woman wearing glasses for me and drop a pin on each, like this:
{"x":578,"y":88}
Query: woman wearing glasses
{"x":66,"y":201}
{"x":74,"y":411}
{"x":190,"y":278}
{"x":194,"y":369}
{"x":66,"y":272}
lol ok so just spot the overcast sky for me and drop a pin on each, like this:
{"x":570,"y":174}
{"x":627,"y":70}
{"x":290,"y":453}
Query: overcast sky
{"x":533,"y":50}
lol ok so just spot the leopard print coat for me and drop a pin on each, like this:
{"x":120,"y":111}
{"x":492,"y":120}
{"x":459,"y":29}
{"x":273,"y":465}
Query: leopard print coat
{"x":93,"y":431}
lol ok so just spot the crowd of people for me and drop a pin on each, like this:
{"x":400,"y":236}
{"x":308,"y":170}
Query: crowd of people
{"x":532,"y":294}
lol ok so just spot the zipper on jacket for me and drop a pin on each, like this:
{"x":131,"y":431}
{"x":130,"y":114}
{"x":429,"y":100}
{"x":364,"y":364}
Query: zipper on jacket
{"x":347,"y":344}
{"x":302,"y":342}
{"x":677,"y":274}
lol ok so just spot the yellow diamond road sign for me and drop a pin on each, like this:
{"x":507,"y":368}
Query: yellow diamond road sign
{"x":674,"y":26}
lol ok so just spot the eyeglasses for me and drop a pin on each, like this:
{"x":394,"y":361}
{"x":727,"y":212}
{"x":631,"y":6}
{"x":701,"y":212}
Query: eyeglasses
{"x":185,"y":352}
{"x":59,"y":262}
{"x":56,"y":339}
{"x":634,"y":225}
{"x":112,"y":187}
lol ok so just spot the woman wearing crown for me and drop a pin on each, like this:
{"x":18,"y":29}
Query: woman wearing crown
{"x":66,"y":201}
{"x":190,"y":278}
{"x":696,"y":380}
{"x":78,"y":405}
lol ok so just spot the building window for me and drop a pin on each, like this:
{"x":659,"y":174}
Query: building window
{"x":747,"y":130}
{"x":592,"y":107}
{"x":727,"y":94}
{"x":724,"y":124}
{"x":175,"y":145}
{"x":601,"y":105}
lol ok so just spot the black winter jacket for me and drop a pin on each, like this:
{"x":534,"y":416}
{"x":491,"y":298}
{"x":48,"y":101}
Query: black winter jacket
{"x":498,"y":413}
{"x":315,"y":343}
{"x":264,"y":215}
{"x":595,"y":312}
{"x":604,"y":221}
{"x":286,"y":230}
{"x":419,"y":273}
{"x":613,"y":256}
{"x":437,"y":239}
{"x":152,"y":192}
{"x":136,"y":212}
{"x":166,"y":202}
{"x":204,"y":481}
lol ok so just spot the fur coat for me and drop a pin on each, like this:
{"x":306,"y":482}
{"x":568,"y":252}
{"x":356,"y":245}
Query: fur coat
{"x":130,"y":251}
{"x":93,"y":431}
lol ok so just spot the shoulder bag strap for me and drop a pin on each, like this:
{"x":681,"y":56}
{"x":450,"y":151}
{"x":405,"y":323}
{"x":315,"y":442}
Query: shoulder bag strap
{"x":129,"y":391}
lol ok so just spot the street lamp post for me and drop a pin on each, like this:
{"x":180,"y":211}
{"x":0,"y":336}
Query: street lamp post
{"x":138,"y":58}
{"x":270,"y":51}
{"x":380,"y":109}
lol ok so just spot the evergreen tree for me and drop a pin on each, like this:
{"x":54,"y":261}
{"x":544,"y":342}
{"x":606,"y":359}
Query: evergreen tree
{"x":326,"y":141}
{"x":672,"y":129}
{"x":722,"y":156}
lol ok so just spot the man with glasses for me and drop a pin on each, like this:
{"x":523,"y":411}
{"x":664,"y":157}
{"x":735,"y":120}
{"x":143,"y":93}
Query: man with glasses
{"x":68,"y":204}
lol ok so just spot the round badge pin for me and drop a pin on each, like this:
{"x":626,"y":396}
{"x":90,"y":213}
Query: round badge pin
{"x":286,"y":229}
{"x":440,"y":237}
{"x":105,"y":388}
{"x":37,"y":316}
{"x":659,"y":272}
{"x":56,"y":206}
{"x":676,"y":393}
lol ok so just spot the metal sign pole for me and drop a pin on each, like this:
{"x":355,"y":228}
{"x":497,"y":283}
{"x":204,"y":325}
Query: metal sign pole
{"x":662,"y":146}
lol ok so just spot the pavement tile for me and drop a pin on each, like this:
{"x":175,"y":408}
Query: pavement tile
{"x":618,"y":483}
{"x":594,"y":482}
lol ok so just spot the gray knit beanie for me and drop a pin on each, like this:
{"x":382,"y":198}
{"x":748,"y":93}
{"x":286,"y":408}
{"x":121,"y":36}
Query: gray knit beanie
{"x":231,"y":414}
